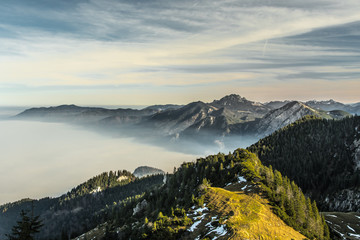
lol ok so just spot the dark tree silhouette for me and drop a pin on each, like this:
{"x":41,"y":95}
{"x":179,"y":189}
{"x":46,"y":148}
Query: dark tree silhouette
{"x":26,"y":228}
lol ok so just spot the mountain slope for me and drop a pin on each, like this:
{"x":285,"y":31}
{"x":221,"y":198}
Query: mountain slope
{"x":327,"y":105}
{"x":186,"y":207}
{"x":248,"y":216}
{"x":206,"y":119}
{"x":338,"y":114}
{"x":331,"y":105}
{"x":73,"y":113}
{"x":322,"y":156}
{"x":175,"y":121}
{"x":82,"y":208}
{"x":283,"y":116}
{"x":345,"y":225}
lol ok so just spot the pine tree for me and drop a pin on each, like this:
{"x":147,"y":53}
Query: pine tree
{"x":326,"y":228}
{"x":26,"y":228}
{"x":221,"y":167}
{"x":231,"y":164}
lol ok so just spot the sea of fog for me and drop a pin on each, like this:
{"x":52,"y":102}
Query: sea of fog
{"x":41,"y":159}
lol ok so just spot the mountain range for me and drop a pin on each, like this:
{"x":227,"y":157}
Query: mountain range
{"x":232,"y":115}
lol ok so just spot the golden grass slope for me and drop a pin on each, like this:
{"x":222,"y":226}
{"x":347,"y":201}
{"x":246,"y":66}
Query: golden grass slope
{"x":248,"y":216}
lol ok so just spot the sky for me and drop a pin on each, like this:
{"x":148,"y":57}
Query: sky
{"x":143,"y":52}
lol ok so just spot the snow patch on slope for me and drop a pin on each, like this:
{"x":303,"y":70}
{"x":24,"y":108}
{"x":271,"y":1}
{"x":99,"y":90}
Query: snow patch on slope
{"x":219,"y":231}
{"x":97,"y":190}
{"x":195,"y":224}
{"x":350,"y":228}
{"x":198,"y":211}
{"x":241,"y":179}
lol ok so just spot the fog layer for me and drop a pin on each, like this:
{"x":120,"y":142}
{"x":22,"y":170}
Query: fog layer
{"x":47,"y":159}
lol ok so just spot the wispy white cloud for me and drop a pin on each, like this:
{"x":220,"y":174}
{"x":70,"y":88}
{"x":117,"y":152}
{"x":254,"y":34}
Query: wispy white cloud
{"x":176,"y":43}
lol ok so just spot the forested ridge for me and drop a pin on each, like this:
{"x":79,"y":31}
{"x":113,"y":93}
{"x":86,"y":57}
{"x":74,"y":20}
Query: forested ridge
{"x":82,"y":208}
{"x":164,"y":210}
{"x":318,"y":154}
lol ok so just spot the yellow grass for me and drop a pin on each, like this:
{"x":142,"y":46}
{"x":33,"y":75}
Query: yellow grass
{"x":250,"y":216}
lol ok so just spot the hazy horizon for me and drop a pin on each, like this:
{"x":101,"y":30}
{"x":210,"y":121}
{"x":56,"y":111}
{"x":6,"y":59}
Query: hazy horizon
{"x":115,"y":106}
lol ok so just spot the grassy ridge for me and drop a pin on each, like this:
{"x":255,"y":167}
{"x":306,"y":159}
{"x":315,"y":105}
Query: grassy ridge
{"x":182,"y":192}
{"x":250,"y":216}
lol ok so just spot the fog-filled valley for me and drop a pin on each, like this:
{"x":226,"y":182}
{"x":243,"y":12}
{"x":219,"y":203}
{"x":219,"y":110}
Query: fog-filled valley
{"x":42,"y":159}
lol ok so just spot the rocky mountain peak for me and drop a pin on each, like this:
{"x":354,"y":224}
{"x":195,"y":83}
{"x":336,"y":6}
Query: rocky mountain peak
{"x":230,"y":100}
{"x":238,"y":103}
{"x":283,"y":116}
{"x":294,"y":104}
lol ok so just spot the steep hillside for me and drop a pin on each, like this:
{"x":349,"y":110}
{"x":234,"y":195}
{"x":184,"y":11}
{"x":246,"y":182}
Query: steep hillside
{"x":241,"y":201}
{"x":82,"y":208}
{"x":177,"y":120}
{"x":322,"y":156}
{"x":215,"y":124}
{"x":283,"y":116}
{"x":245,"y":215}
{"x":345,"y":226}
